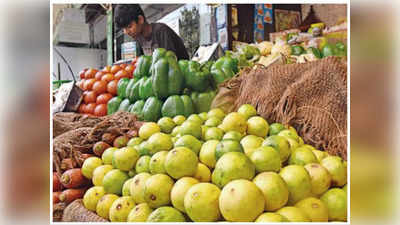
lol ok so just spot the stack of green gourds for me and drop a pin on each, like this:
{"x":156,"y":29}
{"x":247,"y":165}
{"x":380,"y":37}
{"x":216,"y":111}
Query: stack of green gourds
{"x":164,"y":86}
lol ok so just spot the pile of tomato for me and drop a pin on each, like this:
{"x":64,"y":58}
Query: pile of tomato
{"x":100,"y":86}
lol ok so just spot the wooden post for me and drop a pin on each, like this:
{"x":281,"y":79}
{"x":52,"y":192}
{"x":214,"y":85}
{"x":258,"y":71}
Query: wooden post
{"x":110,"y":41}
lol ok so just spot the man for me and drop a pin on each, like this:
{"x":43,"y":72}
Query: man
{"x":131,"y":19}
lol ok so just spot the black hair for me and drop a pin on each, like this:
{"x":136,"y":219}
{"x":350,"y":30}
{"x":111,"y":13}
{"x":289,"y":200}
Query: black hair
{"x":126,"y":13}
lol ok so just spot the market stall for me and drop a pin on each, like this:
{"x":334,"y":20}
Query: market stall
{"x":253,"y":129}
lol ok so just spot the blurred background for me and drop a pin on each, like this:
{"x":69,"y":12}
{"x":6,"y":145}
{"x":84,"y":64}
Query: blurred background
{"x":25,"y":112}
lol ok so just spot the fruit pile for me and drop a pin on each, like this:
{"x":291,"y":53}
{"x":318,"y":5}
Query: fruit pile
{"x":162,"y":86}
{"x":216,"y":167}
{"x":100,"y":86}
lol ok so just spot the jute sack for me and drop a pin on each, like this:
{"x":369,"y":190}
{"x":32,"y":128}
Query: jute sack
{"x":228,"y":91}
{"x":66,"y":121}
{"x":75,"y":143}
{"x":76,"y":212}
{"x":227,"y":94}
{"x":311,"y":97}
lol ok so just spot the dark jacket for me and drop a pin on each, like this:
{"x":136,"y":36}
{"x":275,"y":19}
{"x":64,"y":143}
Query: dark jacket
{"x":163,"y":36}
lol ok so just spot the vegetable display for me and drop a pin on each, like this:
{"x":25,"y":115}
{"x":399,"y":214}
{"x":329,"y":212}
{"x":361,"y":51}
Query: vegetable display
{"x":164,"y":86}
{"x":161,"y":76}
{"x":100,"y":86}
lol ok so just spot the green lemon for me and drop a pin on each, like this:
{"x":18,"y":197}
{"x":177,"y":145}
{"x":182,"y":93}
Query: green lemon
{"x":234,"y":135}
{"x":275,"y":128}
{"x":257,"y":126}
{"x":179,"y":120}
{"x":207,"y":153}
{"x":247,"y":111}
{"x":213,"y":122}
{"x":216,"y":112}
{"x":213,"y":133}
{"x":148,"y":129}
{"x":89,"y":165}
{"x":160,"y":142}
{"x":134,"y":141}
{"x":166,"y":124}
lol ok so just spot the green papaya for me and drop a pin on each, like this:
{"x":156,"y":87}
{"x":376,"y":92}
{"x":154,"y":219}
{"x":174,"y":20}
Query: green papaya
{"x":188,"y":105}
{"x":121,"y":88}
{"x":143,"y":66}
{"x":124,"y":106}
{"x":196,"y":77}
{"x":137,"y":109}
{"x":130,"y":107}
{"x":167,"y":79}
{"x":202,"y":100}
{"x":224,"y":68}
{"x":152,"y":109}
{"x":145,"y":88}
{"x":173,"y":106}
{"x":132,"y":90}
{"x":113,"y":105}
{"x":177,"y":105}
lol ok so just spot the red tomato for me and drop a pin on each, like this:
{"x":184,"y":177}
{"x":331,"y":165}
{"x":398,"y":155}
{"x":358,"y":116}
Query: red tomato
{"x":100,"y":110}
{"x":103,"y":98}
{"x":88,"y":85}
{"x":115,"y":69}
{"x":99,"y":74}
{"x":130,"y":68}
{"x":120,"y":74}
{"x":90,"y":108}
{"x":82,"y":108}
{"x":82,"y":73}
{"x":89,"y":97}
{"x":100,"y":87}
{"x":85,"y":108}
{"x":90,"y":73}
{"x":122,"y":65}
{"x":107,"y":69}
{"x":80,"y":83}
{"x":107,"y":77}
{"x":112,"y":87}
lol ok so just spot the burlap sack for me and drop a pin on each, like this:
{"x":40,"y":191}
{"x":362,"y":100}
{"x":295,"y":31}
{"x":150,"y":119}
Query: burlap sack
{"x":58,"y":210}
{"x":76,"y":212}
{"x":228,"y":91}
{"x":66,"y":121}
{"x":74,"y":143}
{"x":227,"y":94}
{"x":312,"y":97}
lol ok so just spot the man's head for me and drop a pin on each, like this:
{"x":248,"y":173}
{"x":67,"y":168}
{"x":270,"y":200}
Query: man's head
{"x":130,"y":18}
